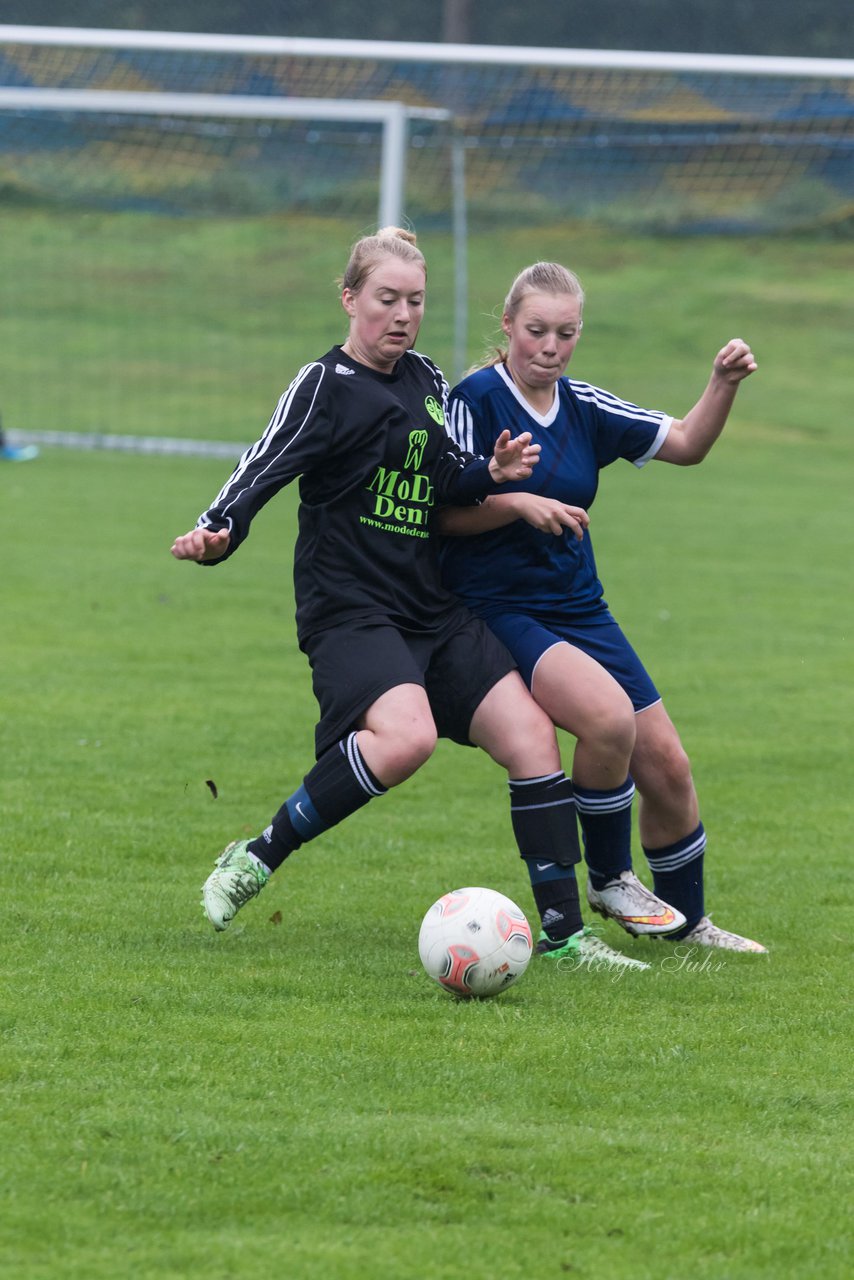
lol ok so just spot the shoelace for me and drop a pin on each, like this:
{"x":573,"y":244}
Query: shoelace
{"x":245,"y":883}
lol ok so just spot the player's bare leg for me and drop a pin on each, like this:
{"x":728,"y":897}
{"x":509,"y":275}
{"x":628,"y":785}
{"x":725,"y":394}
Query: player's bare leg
{"x":581,"y":697}
{"x":668,"y":809}
{"x":397,"y":734}
{"x":671,"y":832}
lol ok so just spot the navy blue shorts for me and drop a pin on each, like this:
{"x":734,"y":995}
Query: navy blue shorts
{"x":601,"y":638}
{"x":352,"y":666}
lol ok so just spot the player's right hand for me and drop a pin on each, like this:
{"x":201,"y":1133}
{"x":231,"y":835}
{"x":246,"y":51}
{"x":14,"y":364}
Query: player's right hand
{"x":513,"y":459}
{"x":201,"y":545}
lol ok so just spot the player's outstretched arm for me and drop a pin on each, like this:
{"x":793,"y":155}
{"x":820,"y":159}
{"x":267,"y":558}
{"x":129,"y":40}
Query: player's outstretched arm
{"x":201,"y":545}
{"x":546,"y":514}
{"x":691,"y":438}
{"x":513,"y":459}
{"x":550,"y":515}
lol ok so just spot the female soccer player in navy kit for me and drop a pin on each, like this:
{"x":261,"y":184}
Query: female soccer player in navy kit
{"x":396,"y":659}
{"x":537,"y":587}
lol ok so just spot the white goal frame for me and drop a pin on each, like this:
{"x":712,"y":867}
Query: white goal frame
{"x":392,"y":117}
{"x":421,"y":51}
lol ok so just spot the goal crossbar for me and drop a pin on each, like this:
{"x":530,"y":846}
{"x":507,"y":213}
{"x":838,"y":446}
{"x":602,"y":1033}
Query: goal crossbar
{"x":391,"y":116}
{"x":419,"y":51}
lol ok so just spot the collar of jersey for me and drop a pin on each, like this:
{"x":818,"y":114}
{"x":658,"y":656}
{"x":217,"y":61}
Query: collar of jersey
{"x":357,"y":366}
{"x":545,"y":420}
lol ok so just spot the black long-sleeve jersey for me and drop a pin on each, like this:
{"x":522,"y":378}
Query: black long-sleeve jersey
{"x":374,"y":460}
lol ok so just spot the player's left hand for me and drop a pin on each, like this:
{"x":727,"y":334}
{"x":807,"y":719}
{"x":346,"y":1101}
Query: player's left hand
{"x":735,"y":361}
{"x":513,"y":459}
{"x":548,"y":514}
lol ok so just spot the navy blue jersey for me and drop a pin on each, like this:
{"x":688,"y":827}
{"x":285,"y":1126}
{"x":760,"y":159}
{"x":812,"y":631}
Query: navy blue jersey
{"x":373,"y":457}
{"x":517,"y":567}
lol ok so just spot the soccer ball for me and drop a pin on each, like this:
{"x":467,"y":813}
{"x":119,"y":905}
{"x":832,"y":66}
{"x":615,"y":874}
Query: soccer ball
{"x":475,"y":942}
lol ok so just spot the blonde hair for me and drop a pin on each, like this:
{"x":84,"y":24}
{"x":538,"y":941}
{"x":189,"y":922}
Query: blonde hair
{"x":395,"y":242}
{"x":540,"y":277}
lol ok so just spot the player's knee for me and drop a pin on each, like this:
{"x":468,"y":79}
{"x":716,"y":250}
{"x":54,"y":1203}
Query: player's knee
{"x":617,"y":728}
{"x":534,"y":745}
{"x":411,"y":750}
{"x":674,"y":767}
{"x":609,"y":728}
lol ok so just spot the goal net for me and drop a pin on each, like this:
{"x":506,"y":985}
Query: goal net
{"x":145,"y":177}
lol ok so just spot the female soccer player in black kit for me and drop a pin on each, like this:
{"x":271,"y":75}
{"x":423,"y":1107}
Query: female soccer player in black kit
{"x":396,"y":660}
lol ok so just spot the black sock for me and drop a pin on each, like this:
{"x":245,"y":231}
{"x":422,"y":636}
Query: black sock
{"x":543,"y":814}
{"x":338,"y":785}
{"x":556,"y":895}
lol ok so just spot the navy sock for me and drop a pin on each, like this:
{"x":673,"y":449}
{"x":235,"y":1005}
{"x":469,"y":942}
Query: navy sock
{"x":542,"y":811}
{"x":677,"y":876}
{"x":338,"y":785}
{"x":606,"y":825}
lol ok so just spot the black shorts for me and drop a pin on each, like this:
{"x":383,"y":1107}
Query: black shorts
{"x":352,"y":666}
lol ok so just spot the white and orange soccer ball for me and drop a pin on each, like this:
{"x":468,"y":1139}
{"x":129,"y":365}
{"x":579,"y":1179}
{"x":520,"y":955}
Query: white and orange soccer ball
{"x":475,"y":942}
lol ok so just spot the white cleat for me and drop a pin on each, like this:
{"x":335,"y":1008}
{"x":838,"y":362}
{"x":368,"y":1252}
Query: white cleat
{"x":634,"y":907}
{"x":706,"y":934}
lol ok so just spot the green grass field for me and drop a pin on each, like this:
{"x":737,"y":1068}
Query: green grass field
{"x":295,"y":1096}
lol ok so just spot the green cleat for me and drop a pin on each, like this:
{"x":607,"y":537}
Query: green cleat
{"x":234,"y":880}
{"x":586,"y":949}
